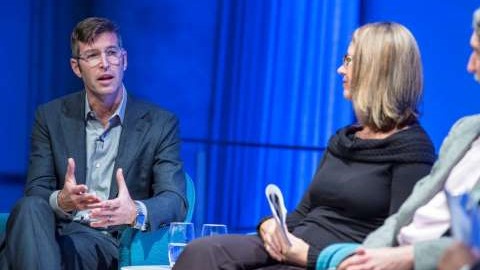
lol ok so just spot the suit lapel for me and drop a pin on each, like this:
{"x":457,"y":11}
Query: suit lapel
{"x":134,"y":128}
{"x":73,"y":127}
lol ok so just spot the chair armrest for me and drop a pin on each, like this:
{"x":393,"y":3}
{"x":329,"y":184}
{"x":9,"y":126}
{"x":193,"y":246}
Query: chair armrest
{"x":3,"y":222}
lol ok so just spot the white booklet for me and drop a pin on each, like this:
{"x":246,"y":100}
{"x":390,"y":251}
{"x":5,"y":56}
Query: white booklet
{"x":277,"y":205}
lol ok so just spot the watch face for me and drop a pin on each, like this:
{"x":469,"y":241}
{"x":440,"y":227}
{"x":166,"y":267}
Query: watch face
{"x":140,"y":219}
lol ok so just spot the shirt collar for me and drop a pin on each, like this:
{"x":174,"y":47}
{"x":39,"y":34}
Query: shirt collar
{"x":120,"y":111}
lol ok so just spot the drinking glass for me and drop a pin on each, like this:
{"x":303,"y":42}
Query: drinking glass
{"x":179,"y":235}
{"x":213,"y":229}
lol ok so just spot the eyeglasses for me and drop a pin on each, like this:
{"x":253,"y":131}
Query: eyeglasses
{"x":94,"y":57}
{"x":347,"y":59}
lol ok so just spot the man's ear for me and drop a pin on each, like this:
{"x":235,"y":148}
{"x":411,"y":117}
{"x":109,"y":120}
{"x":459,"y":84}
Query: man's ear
{"x":125,"y":61}
{"x":75,"y":67}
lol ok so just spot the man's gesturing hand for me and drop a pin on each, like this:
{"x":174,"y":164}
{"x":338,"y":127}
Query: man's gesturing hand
{"x":120,"y":210}
{"x":73,"y":196}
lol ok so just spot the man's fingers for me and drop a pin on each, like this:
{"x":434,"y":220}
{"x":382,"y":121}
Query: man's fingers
{"x":88,"y":199}
{"x":70,"y":175}
{"x":122,"y":187}
{"x":81,"y":200}
{"x":104,"y":218}
{"x":360,"y":251}
{"x":361,"y":267}
{"x":100,"y":205}
{"x":352,"y":261}
{"x":102,"y":214}
{"x":100,"y":223}
{"x":79,"y":189}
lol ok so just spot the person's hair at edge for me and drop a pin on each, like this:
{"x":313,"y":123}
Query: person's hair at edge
{"x":87,"y":30}
{"x":387,"y":76}
{"x":476,"y":22}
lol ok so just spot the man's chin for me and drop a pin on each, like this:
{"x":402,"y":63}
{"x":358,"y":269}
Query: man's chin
{"x":105,"y":90}
{"x":477,"y":78}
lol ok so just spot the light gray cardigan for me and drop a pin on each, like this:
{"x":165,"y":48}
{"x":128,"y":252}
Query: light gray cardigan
{"x":427,"y":253}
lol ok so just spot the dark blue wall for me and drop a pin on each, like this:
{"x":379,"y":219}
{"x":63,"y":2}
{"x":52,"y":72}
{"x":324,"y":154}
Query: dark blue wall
{"x":14,"y":126}
{"x":14,"y":55}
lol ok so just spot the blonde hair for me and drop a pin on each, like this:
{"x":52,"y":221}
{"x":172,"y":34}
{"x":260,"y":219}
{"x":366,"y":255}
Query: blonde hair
{"x":476,"y":22}
{"x":387,"y":79}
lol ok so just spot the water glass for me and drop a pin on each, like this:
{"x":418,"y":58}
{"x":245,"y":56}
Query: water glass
{"x":179,"y":235}
{"x":213,"y":229}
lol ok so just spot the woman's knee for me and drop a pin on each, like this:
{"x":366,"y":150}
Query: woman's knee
{"x":201,"y":244}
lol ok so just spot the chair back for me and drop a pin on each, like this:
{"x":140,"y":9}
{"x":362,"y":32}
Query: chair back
{"x":149,"y":248}
{"x":3,"y":222}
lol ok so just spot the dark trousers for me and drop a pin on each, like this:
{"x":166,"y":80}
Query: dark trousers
{"x":36,"y":240}
{"x":228,"y":252}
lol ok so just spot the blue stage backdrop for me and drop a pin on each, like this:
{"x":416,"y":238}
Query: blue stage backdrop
{"x":254,"y":83}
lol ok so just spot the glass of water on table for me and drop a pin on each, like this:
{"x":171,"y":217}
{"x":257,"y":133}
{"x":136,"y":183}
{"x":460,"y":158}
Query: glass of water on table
{"x":179,"y":235}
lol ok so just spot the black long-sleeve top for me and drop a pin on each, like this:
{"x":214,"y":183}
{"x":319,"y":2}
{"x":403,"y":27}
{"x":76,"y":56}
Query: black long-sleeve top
{"x":357,"y":185}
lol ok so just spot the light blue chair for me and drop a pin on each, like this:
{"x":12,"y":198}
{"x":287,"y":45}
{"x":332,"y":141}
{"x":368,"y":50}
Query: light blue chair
{"x":147,"y":248}
{"x":142,"y":248}
{"x":3,"y":222}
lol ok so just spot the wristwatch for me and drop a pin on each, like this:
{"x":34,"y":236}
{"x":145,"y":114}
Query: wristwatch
{"x":140,"y":223}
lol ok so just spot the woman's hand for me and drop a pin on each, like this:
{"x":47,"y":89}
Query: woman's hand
{"x":278,"y":248}
{"x":298,"y":252}
{"x":273,"y":241}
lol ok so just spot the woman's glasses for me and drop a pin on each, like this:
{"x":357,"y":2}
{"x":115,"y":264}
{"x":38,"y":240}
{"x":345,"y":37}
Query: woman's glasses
{"x":347,"y":59}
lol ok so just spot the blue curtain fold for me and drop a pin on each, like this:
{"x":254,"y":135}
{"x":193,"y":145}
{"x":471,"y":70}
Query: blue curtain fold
{"x":276,"y":101}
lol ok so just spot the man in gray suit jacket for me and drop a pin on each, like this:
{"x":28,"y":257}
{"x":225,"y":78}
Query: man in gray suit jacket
{"x":100,"y":161}
{"x":415,"y":237}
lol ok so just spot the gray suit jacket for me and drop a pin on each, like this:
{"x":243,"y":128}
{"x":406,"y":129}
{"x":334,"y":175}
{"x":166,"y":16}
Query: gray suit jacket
{"x":148,"y":152}
{"x":454,"y":147}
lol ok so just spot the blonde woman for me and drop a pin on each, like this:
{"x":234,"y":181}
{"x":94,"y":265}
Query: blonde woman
{"x":366,"y":173}
{"x":416,"y":236}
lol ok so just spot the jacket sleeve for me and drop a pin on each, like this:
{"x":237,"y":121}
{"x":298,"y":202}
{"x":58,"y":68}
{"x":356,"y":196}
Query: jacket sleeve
{"x":41,"y":178}
{"x":168,"y":202}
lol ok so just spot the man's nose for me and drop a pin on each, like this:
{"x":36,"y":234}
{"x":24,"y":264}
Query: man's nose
{"x":104,"y":61}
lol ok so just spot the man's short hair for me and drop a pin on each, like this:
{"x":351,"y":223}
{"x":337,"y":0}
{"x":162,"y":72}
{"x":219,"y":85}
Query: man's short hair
{"x":89,"y":29}
{"x":476,"y":22}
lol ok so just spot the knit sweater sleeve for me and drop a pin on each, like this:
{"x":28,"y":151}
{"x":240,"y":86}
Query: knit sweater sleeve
{"x":312,"y":257}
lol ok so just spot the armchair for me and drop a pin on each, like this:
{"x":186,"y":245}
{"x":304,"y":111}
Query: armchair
{"x":147,"y":248}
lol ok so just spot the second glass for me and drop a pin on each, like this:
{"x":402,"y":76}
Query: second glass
{"x":213,"y":229}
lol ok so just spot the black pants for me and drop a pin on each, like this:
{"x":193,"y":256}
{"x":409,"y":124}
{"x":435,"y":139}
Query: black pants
{"x":228,"y":252}
{"x":36,"y":240}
